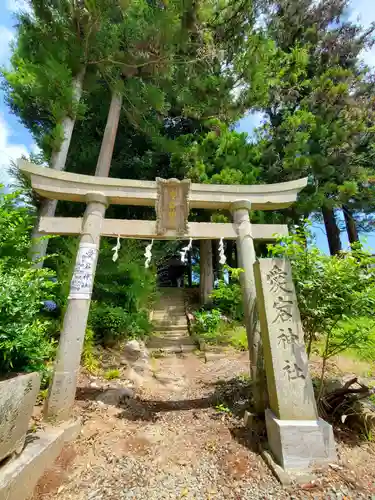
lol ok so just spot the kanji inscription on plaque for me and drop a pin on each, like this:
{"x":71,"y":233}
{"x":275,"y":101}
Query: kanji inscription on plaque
{"x":172,"y":205}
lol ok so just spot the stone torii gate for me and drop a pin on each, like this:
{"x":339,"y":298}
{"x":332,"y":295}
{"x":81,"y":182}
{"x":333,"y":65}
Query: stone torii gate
{"x":172,"y":200}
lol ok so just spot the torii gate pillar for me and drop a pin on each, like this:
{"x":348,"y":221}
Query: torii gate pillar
{"x":62,"y":389}
{"x":246,"y":260}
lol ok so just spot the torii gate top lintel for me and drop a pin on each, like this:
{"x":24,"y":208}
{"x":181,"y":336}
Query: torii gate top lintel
{"x":67,"y":186}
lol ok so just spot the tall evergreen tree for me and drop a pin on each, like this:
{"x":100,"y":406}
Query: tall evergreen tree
{"x":320,"y":111}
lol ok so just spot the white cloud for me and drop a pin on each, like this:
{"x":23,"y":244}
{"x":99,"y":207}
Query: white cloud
{"x":6,"y":36}
{"x":8,"y":152}
{"x":363,"y":11}
{"x":17,"y":5}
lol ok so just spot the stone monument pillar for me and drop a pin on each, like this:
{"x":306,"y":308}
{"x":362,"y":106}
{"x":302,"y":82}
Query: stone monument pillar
{"x":298,"y":438}
{"x":62,"y":389}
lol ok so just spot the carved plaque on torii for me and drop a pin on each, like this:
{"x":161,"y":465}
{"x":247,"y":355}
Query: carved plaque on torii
{"x":172,"y":205}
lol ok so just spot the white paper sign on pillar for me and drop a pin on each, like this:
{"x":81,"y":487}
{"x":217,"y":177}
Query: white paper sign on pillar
{"x":83,"y":275}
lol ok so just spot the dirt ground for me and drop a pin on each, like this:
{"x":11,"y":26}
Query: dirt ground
{"x":181,"y":435}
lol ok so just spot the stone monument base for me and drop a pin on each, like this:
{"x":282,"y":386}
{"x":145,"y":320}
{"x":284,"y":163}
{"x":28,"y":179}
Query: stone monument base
{"x":298,"y":445}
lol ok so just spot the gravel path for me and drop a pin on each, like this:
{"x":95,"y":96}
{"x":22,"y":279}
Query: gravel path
{"x":169,"y":442}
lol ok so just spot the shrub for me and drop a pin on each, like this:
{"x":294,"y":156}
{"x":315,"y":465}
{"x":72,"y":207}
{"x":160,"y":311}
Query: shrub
{"x":26,"y":294}
{"x":207,"y":322}
{"x":112,"y":323}
{"x":123,"y":293}
{"x":329,"y":289}
{"x":125,"y":283}
{"x":15,"y":226}
{"x":227,"y":297}
{"x":24,"y":341}
{"x":334,"y":293}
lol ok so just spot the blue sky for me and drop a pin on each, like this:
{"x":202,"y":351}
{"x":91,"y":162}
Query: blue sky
{"x":15,"y":140}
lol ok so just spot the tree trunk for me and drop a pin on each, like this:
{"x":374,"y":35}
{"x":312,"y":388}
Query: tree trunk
{"x":106,"y":150}
{"x":190,"y":270}
{"x":230,"y":253}
{"x":206,"y":271}
{"x":332,"y":230}
{"x":39,"y":246}
{"x":351,"y":227}
{"x":218,"y":268}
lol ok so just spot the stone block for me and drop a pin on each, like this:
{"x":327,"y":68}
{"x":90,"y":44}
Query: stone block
{"x":299,"y":445}
{"x":19,"y":476}
{"x":290,"y":389}
{"x":17,"y":399}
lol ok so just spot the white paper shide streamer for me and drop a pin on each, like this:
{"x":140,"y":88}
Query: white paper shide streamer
{"x":222,"y":259}
{"x":185,"y":251}
{"x":148,"y":254}
{"x":116,"y":249}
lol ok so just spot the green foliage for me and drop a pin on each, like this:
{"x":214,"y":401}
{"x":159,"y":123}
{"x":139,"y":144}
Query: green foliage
{"x":228,"y":297}
{"x":24,"y":327}
{"x":113,"y":323}
{"x":357,"y":334}
{"x":329,"y":289}
{"x":162,"y":59}
{"x":15,"y":227}
{"x":123,"y":294}
{"x":126,"y":282}
{"x":207,"y":322}
{"x":221,"y":156}
{"x":319,"y":114}
{"x":112,"y":374}
{"x":236,"y":336}
{"x":336,"y":295}
{"x":211,"y":327}
{"x":89,"y":357}
{"x":24,"y":342}
{"x":222,"y":408}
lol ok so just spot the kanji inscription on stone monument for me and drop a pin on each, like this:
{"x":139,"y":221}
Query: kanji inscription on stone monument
{"x":172,"y":205}
{"x":290,"y":389}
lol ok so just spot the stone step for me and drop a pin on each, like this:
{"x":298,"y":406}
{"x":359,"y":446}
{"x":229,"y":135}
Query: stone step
{"x":167,"y":327}
{"x":182,"y":332}
{"x":162,"y":342}
{"x":173,"y":349}
{"x":170,"y":320}
{"x":172,"y":336}
{"x":171,"y":291}
{"x":169,"y":313}
{"x":172,"y":295}
{"x":169,"y":307}
{"x":167,"y":322}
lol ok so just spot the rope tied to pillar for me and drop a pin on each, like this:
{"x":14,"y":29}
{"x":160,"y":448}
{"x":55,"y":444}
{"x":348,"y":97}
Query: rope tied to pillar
{"x":185,"y":251}
{"x":116,"y":248}
{"x":222,"y":256}
{"x":148,"y":254}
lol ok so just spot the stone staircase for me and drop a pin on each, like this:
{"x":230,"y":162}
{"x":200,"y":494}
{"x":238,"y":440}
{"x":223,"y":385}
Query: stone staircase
{"x":171,"y":332}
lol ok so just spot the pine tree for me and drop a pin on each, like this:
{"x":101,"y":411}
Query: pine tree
{"x":319,"y":113}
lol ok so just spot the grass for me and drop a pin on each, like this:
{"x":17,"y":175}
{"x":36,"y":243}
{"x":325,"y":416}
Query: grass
{"x":228,"y":334}
{"x":112,"y":374}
